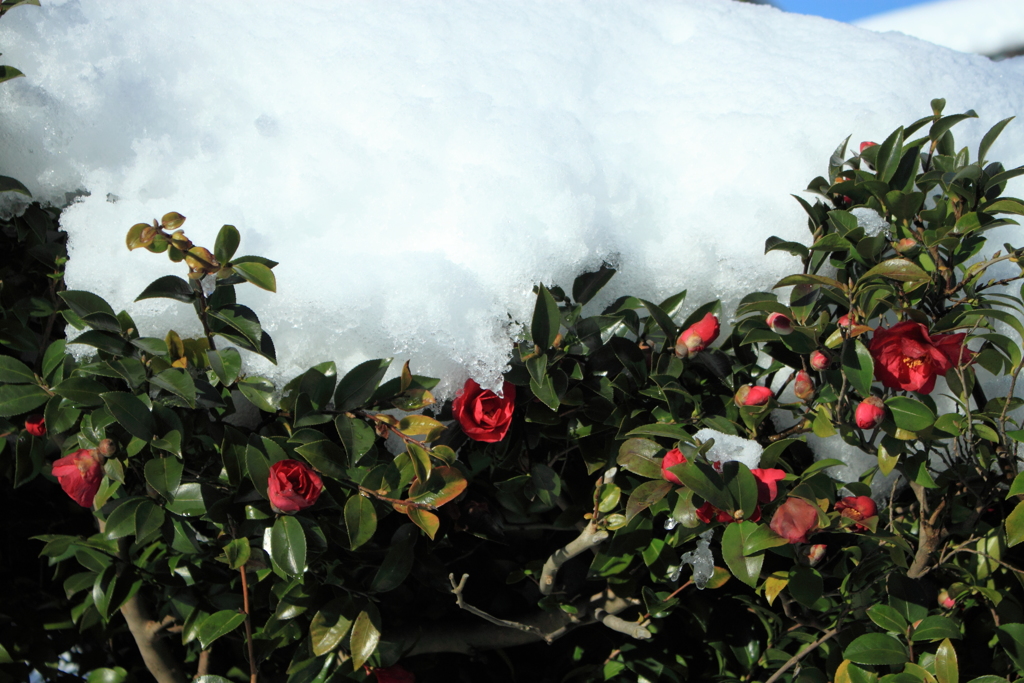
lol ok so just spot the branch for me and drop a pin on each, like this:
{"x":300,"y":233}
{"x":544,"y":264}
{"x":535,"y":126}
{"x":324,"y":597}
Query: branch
{"x":930,"y":536}
{"x":800,"y":655}
{"x":457,"y":589}
{"x":586,"y":540}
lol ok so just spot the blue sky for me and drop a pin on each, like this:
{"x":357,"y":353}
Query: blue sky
{"x":843,"y":10}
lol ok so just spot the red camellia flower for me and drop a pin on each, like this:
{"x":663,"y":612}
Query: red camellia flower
{"x":870,"y":413}
{"x":767,"y":484}
{"x":708,"y":513}
{"x":698,"y":336}
{"x":779,"y":323}
{"x":672,"y":458}
{"x":795,"y":520}
{"x":36,"y":425}
{"x":865,"y":145}
{"x":820,"y":360}
{"x":394,"y":674}
{"x":803,"y":387}
{"x":753,"y":395}
{"x":814,"y":554}
{"x":908,"y":358}
{"x":857,"y":508}
{"x":292,"y":486}
{"x":79,"y":475}
{"x":483,"y":414}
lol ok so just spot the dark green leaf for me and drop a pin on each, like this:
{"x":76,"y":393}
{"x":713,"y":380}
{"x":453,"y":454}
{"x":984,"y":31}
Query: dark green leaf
{"x":587,"y":285}
{"x":910,"y":414}
{"x":168,"y":287}
{"x":328,"y":627}
{"x":887,"y":618}
{"x":746,"y":568}
{"x":365,"y":636}
{"x":164,"y":475}
{"x":360,"y":520}
{"x":226,"y":364}
{"x":326,"y":457}
{"x":398,"y":561}
{"x":227,"y":243}
{"x":13,"y":371}
{"x":178,"y":382}
{"x":359,"y":384}
{"x":858,"y":366}
{"x":936,"y":628}
{"x":876,"y":648}
{"x":900,"y":269}
{"x":218,"y":624}
{"x":288,"y":545}
{"x":8,"y":184}
{"x":646,"y":495}
{"x":131,"y":413}
{"x":258,"y":274}
{"x":638,"y":456}
{"x":990,"y":137}
{"x":544,"y":327}
{"x":16,"y":399}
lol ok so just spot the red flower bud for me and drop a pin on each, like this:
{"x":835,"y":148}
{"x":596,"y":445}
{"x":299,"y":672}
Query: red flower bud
{"x":865,"y":145}
{"x":767,"y":484}
{"x":820,"y":360}
{"x":708,"y":513}
{"x":394,"y":674}
{"x":780,"y":324}
{"x":80,"y":475}
{"x":483,"y":415}
{"x":292,"y":486}
{"x":946,"y":600}
{"x":753,"y":395}
{"x":795,"y":520}
{"x":844,"y":321}
{"x":870,"y":413}
{"x":698,"y":336}
{"x":907,"y":245}
{"x":672,"y":458}
{"x":35,"y":425}
{"x":107,"y":447}
{"x":857,"y":508}
{"x":803,"y":387}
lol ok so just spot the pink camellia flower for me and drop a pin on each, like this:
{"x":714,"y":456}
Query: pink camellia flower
{"x":779,"y":323}
{"x":394,"y":674}
{"x":795,"y":520}
{"x":753,"y":395}
{"x":80,"y":474}
{"x":482,"y":414}
{"x":857,"y":508}
{"x":865,"y":145}
{"x":820,"y":360}
{"x":803,"y":387}
{"x":870,"y":413}
{"x":672,"y":458}
{"x":907,"y":357}
{"x":35,"y":425}
{"x":767,"y":483}
{"x":946,"y":600}
{"x":292,"y":486}
{"x":698,"y":336}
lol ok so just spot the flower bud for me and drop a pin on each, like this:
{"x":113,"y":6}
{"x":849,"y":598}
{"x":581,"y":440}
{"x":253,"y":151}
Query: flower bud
{"x":865,"y":145}
{"x":752,"y":395}
{"x":844,"y":321}
{"x":870,"y":413}
{"x":907,"y":246}
{"x":946,"y":600}
{"x":698,"y":336}
{"x":35,"y":425}
{"x":820,"y":360}
{"x":672,"y":458}
{"x":780,"y":324}
{"x":795,"y":520}
{"x":814,"y":554}
{"x":857,"y":508}
{"x":803,"y":387}
{"x":107,"y":448}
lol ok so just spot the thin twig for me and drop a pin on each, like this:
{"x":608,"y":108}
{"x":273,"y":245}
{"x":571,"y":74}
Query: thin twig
{"x":800,"y":655}
{"x":457,"y":589}
{"x":248,"y":626}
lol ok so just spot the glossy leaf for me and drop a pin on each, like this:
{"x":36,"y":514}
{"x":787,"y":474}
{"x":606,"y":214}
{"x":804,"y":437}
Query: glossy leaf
{"x":360,"y":520}
{"x":13,"y":371}
{"x":328,"y":627}
{"x":646,"y":495}
{"x":226,"y":244}
{"x":365,"y":636}
{"x":887,"y":618}
{"x":131,"y":413}
{"x":744,"y":567}
{"x":178,"y":382}
{"x":288,"y":545}
{"x":876,"y":648}
{"x":1015,"y":525}
{"x":910,"y":414}
{"x":218,"y":624}
{"x":935,"y":628}
{"x":226,"y":364}
{"x":168,"y":287}
{"x":326,"y":457}
{"x":16,"y":399}
{"x":544,"y":327}
{"x":425,"y":520}
{"x":359,"y":384}
{"x":946,"y":668}
{"x":858,"y":366}
{"x":638,"y":456}
{"x":398,"y":562}
{"x":258,"y":274}
{"x":164,"y":475}
{"x":587,"y":285}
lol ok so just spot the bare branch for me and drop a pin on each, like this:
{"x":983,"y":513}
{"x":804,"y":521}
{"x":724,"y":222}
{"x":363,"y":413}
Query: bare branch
{"x":615,"y":623}
{"x":800,"y":655}
{"x":457,"y":589}
{"x":586,"y":540}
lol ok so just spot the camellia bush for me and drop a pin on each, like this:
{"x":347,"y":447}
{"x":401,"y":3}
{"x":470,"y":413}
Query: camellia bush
{"x":636,"y":502}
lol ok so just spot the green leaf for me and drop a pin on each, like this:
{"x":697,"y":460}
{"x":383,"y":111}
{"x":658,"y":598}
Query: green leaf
{"x":1017,"y":487}
{"x":427,"y":521}
{"x":420,"y":459}
{"x":704,"y":481}
{"x":760,"y":539}
{"x":121,"y":522}
{"x":168,"y":287}
{"x":669,"y":431}
{"x":227,"y":243}
{"x":356,"y":436}
{"x":587,"y":285}
{"x":887,"y":618}
{"x":858,"y":366}
{"x":946,"y":669}
{"x":107,"y":675}
{"x":226,"y":364}
{"x":329,"y":627}
{"x":900,"y":269}
{"x":258,"y":274}
{"x":646,"y":495}
{"x":359,"y":384}
{"x":164,"y":475}
{"x":638,"y":456}
{"x":92,"y":309}
{"x":445,"y":484}
{"x":910,"y":414}
{"x":131,"y":413}
{"x":16,"y":399}
{"x":241,"y":319}
{"x":218,"y":624}
{"x":876,"y":648}
{"x":103,"y":341}
{"x":260,"y":392}
{"x":188,"y":500}
{"x":744,"y":567}
{"x":148,"y":519}
{"x":288,"y":545}
{"x":13,"y":371}
{"x":237,"y":553}
{"x":398,"y":561}
{"x":935,"y":628}
{"x":8,"y":184}
{"x":364,"y":640}
{"x":326,"y":457}
{"x":806,"y":585}
{"x":888,"y":158}
{"x":809,"y":279}
{"x":990,"y":137}
{"x":360,"y":520}
{"x":178,"y":382}
{"x":544,"y":327}
{"x":663,"y":319}
{"x":1015,"y":526}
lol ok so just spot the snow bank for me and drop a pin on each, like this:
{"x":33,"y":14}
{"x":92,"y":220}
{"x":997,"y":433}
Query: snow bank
{"x":986,"y":27}
{"x":417,"y":167}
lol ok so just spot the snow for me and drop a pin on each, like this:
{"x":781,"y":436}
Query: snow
{"x":986,"y":27}
{"x":417,"y":168}
{"x":729,"y":448}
